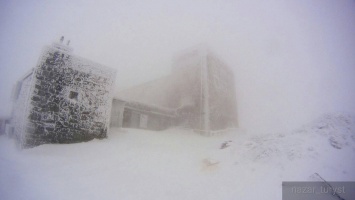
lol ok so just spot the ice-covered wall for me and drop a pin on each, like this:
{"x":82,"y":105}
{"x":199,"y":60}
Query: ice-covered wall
{"x":187,"y":93}
{"x":21,"y":98}
{"x":204,"y":91}
{"x":70,"y":101}
{"x":222,"y":95}
{"x":117,"y":113}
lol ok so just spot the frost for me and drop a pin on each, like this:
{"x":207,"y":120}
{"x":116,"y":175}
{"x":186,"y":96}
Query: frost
{"x":66,"y":99}
{"x":200,"y":93}
{"x":177,"y":164}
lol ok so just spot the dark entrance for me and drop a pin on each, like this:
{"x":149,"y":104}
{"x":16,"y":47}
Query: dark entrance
{"x":131,"y":119}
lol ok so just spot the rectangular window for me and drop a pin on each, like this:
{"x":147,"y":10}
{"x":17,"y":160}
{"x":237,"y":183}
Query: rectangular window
{"x":73,"y":95}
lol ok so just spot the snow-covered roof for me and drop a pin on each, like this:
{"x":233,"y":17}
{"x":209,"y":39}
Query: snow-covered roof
{"x":153,"y":109}
{"x":62,"y":47}
{"x":151,"y":93}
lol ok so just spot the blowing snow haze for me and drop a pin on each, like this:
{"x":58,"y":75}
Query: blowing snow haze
{"x":292,"y":60}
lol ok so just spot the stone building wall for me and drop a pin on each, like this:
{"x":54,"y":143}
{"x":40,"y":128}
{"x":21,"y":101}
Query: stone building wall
{"x":70,"y":100}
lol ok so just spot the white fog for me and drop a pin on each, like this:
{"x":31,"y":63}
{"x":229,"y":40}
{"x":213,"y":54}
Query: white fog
{"x":293,"y":62}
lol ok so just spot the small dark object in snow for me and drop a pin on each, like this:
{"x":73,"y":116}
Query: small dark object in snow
{"x":225,"y":144}
{"x":334,"y":143}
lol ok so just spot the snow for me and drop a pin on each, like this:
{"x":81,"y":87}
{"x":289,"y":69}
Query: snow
{"x":180,"y":164}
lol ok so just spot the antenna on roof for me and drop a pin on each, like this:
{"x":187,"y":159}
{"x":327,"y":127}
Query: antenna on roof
{"x":62,"y":39}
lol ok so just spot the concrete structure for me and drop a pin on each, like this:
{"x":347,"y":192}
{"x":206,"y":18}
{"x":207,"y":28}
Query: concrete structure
{"x":64,"y":99}
{"x":198,"y":94}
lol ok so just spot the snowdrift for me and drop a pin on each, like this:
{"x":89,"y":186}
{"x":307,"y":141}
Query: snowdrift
{"x":179,"y":164}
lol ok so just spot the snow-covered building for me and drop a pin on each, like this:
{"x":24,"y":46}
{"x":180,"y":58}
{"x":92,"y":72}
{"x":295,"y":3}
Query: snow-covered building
{"x":67,"y":99}
{"x":198,"y":94}
{"x":64,"y":99}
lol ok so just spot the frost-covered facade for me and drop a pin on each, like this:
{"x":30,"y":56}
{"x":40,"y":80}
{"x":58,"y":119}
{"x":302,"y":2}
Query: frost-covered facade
{"x":198,"y":94}
{"x":64,"y":99}
{"x":205,"y":95}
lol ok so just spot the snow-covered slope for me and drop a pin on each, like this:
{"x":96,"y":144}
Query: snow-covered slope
{"x":179,"y":164}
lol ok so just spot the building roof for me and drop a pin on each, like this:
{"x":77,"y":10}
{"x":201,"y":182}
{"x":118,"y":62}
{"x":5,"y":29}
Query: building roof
{"x":151,"y":93}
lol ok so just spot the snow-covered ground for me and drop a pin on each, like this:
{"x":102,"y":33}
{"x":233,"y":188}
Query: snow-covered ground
{"x":179,"y":164}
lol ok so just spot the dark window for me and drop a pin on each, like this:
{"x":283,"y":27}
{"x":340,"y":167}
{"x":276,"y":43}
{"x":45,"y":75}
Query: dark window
{"x":73,"y":95}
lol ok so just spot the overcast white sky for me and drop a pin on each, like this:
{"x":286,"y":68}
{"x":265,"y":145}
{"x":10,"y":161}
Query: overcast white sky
{"x":293,"y":60}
